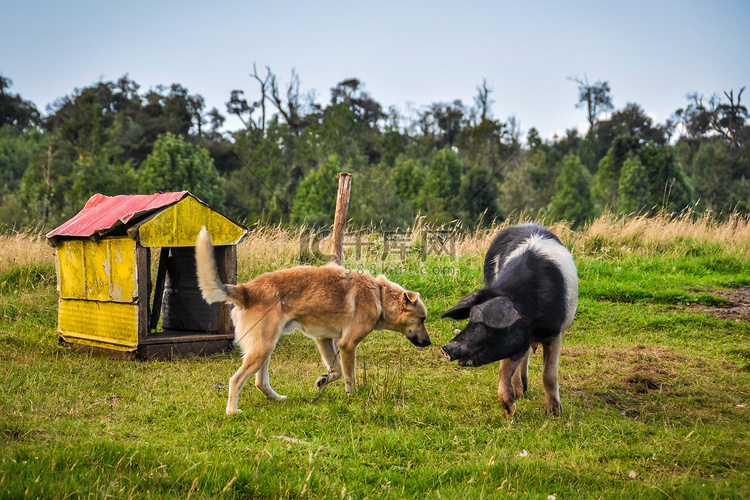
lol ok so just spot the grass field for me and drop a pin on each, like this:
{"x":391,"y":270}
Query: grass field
{"x":654,"y":381}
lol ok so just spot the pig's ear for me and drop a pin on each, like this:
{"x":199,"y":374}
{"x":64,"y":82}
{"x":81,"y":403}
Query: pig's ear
{"x":461,"y":310}
{"x":495,"y":313}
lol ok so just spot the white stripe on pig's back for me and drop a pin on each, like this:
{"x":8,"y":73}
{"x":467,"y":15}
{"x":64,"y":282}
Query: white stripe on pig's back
{"x":558,"y":254}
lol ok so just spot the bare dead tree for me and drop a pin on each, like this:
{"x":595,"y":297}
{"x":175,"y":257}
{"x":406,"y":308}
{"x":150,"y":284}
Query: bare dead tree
{"x":728,"y":119}
{"x":264,"y":84}
{"x":290,"y":110}
{"x":597,"y":98}
{"x":483,"y":101}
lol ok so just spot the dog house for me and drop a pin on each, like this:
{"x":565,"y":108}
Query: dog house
{"x":114,"y":301}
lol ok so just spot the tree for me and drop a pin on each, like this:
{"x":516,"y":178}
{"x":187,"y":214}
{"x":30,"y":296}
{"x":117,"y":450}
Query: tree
{"x":16,"y":151}
{"x":176,"y":165}
{"x":597,"y":99}
{"x":633,"y":121}
{"x":712,"y":175}
{"x":478,"y":197}
{"x":14,"y":111}
{"x":409,"y":175}
{"x":669,"y":187}
{"x":448,"y":118}
{"x":483,"y":102}
{"x":572,"y":200}
{"x":351,"y":92}
{"x":607,"y":179}
{"x":517,"y":192}
{"x":291,"y":111}
{"x":693,"y":120}
{"x":40,"y":198}
{"x":260,"y":185}
{"x":438,"y":198}
{"x":375,"y":200}
{"x":729,"y":119}
{"x":98,"y":174}
{"x":633,"y":189}
{"x":315,"y":203}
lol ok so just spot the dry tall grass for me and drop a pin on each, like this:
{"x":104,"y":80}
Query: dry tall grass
{"x":608,"y":235}
{"x":24,"y":248}
{"x":267,"y":247}
{"x":664,"y":233}
{"x":274,"y":247}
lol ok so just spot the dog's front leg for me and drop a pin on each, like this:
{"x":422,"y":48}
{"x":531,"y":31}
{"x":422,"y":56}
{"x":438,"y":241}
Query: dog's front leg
{"x":347,"y":352}
{"x":328,"y":351}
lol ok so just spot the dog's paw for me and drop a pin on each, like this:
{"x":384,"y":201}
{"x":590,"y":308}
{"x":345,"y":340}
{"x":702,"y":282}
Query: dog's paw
{"x":233,"y":412}
{"x":321,"y":382}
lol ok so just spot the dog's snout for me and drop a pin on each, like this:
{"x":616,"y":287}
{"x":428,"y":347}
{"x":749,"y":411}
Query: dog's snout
{"x":420,"y":342}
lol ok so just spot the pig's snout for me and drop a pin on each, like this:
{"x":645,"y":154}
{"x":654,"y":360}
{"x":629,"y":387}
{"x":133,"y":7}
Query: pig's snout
{"x":445,"y":354}
{"x":453,"y":351}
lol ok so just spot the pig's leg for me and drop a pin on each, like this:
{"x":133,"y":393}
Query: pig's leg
{"x":521,"y":376}
{"x":549,"y":377}
{"x":505,"y":388}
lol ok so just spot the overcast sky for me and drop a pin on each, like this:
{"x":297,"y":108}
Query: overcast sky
{"x":407,"y":53}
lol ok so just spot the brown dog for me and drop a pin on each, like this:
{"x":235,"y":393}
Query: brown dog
{"x":326,"y":303}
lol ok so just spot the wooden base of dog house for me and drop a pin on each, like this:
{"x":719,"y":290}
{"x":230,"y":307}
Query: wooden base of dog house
{"x":161,"y":346}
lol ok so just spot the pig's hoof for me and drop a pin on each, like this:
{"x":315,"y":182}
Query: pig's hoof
{"x":554,"y":409}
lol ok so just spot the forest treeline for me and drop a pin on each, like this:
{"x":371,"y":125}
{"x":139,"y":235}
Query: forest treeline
{"x":449,"y":161}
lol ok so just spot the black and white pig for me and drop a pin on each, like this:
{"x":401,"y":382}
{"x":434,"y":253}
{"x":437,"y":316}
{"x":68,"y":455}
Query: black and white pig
{"x":530,"y":298}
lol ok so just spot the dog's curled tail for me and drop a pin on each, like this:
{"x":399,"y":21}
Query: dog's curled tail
{"x":212,"y":289}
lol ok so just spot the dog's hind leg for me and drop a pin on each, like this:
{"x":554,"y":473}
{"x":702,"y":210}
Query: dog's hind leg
{"x":252,"y":362}
{"x":328,"y":349}
{"x":549,"y":377}
{"x":262,"y":382}
{"x":257,"y":343}
{"x":521,"y":376}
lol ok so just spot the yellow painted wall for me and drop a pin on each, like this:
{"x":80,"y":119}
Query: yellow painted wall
{"x":111,"y":325}
{"x":178,"y":226}
{"x":103,"y":271}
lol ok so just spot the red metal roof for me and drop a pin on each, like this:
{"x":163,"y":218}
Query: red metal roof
{"x":104,"y":212}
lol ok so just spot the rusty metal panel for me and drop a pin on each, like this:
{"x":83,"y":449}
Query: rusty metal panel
{"x":111,"y":325}
{"x":179,"y":224}
{"x":104,"y":212}
{"x":103,"y":270}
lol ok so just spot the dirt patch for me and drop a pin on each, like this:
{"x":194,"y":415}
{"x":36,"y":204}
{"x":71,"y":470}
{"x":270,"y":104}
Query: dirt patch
{"x":625,"y":378}
{"x":739,"y":309}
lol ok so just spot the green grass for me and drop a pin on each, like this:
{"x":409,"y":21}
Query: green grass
{"x":651,"y":387}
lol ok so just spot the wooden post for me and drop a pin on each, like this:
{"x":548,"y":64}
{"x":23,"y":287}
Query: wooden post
{"x":339,"y":221}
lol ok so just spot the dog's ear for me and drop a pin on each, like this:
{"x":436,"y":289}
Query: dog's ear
{"x":411,"y":297}
{"x":461,"y":310}
{"x":496,"y":313}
